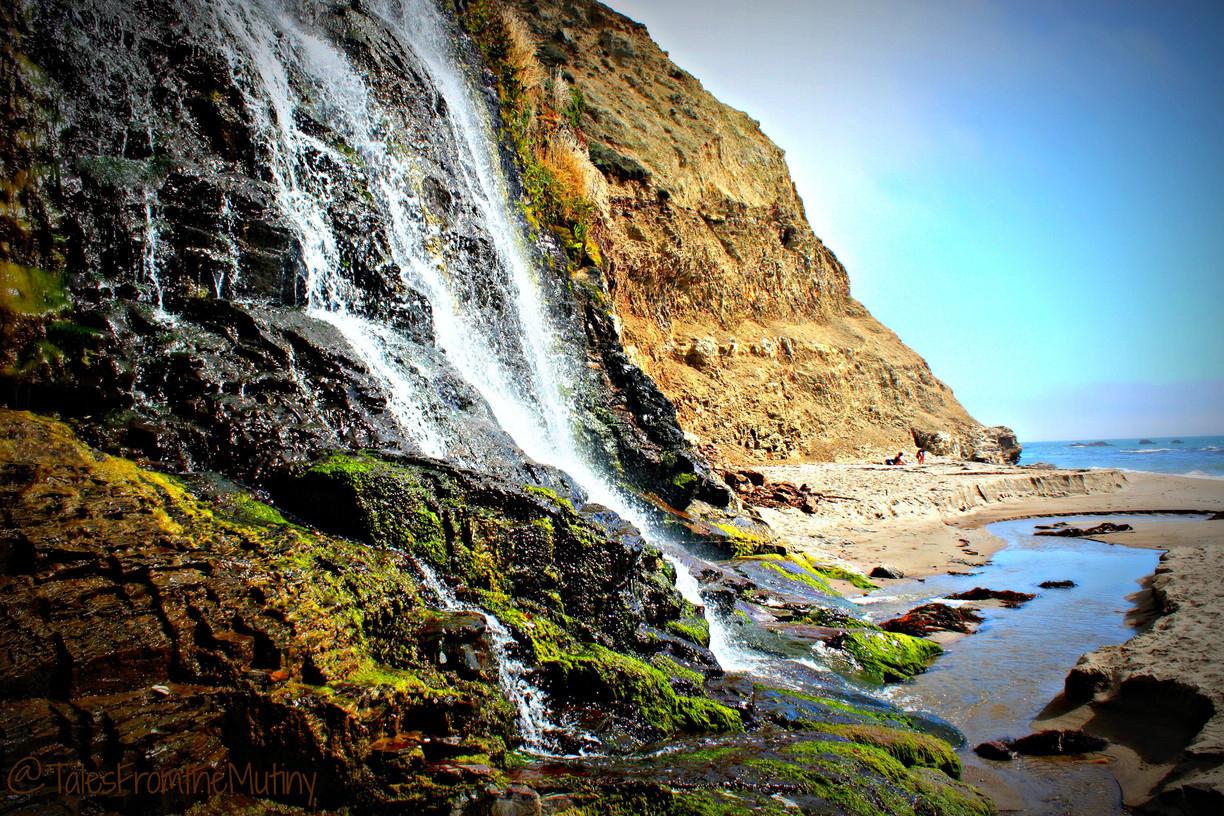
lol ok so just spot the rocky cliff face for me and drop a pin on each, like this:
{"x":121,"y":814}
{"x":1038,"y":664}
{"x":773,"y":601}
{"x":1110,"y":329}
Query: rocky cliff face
{"x":729,"y":300}
{"x":319,"y":442}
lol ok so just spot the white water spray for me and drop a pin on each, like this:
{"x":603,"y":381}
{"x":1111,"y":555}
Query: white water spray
{"x":529,"y":700}
{"x":148,"y":258}
{"x":546,"y":436}
{"x":510,"y":357}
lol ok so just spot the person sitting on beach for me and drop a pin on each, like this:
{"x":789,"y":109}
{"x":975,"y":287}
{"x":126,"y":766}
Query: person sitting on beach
{"x":896,"y":460}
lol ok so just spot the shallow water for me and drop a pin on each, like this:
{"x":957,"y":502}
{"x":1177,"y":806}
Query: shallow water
{"x":993,"y":683}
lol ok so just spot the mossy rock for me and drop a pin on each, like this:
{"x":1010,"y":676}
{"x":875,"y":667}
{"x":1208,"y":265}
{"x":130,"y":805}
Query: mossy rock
{"x":886,"y":657}
{"x":636,"y":692}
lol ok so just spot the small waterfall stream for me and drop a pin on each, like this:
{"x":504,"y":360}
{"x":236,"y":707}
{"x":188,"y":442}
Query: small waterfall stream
{"x":529,"y":701}
{"x":510,"y":355}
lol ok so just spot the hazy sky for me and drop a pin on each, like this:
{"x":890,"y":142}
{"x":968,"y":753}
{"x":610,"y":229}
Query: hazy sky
{"x":1030,"y":193}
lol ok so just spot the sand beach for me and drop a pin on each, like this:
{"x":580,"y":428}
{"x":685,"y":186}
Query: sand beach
{"x":1159,"y":697}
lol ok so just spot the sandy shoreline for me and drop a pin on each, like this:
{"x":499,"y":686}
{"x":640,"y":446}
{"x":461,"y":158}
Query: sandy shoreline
{"x":931,"y":519}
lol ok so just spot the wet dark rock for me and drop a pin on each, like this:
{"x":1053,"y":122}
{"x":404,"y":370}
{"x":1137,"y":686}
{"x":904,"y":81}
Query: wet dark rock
{"x":996,"y":750}
{"x":516,"y":800}
{"x":1066,"y":584}
{"x":1103,"y":528}
{"x":1057,"y":743}
{"x":933,"y":617}
{"x":1008,"y":597}
{"x":459,"y":640}
{"x":1216,"y":516}
{"x":155,"y":130}
{"x":884,"y":571}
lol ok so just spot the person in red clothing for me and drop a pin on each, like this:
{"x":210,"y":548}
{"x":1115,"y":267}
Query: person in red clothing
{"x":921,"y":456}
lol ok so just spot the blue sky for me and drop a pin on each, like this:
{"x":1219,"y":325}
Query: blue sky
{"x":1030,"y":193}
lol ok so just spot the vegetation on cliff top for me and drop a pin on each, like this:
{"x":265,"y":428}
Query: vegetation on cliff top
{"x":542,"y":116}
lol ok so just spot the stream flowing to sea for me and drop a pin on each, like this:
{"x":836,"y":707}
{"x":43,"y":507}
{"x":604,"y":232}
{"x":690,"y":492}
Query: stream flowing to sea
{"x":994,"y":683}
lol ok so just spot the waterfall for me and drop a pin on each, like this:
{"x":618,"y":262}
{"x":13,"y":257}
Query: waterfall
{"x":510,"y":355}
{"x":548,"y":437}
{"x":148,"y":257}
{"x":529,"y":701}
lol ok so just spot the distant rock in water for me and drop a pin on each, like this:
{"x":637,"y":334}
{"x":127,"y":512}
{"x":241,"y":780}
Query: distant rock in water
{"x":1057,"y":584}
{"x":1104,"y":528}
{"x":1145,"y":442}
{"x":1177,"y":442}
{"x":1009,"y":597}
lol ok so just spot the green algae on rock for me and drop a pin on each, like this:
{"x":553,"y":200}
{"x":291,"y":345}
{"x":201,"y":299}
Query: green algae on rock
{"x":886,"y":657}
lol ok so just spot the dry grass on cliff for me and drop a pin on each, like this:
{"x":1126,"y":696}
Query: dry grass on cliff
{"x":580,"y":182}
{"x":520,"y":52}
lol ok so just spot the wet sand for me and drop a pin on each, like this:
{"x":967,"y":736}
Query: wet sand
{"x":1159,"y":698}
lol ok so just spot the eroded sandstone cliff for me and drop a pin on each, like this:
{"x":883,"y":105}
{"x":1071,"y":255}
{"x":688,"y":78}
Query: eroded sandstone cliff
{"x":728,"y":299}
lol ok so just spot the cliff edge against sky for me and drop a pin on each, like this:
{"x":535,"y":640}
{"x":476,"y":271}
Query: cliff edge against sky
{"x":728,"y":299}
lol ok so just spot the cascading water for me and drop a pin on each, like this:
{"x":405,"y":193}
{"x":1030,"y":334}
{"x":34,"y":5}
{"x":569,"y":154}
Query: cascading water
{"x":529,"y":701}
{"x":510,"y":355}
{"x":148,"y":258}
{"x":539,"y":421}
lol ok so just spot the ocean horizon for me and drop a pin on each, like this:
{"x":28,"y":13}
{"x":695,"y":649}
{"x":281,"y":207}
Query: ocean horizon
{"x":1197,"y":456}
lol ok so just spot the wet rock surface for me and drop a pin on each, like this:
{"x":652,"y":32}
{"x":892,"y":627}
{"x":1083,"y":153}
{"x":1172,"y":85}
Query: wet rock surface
{"x":1008,"y":597}
{"x":172,"y":629}
{"x":1057,"y":743}
{"x":934,"y":617}
{"x":1104,"y":528}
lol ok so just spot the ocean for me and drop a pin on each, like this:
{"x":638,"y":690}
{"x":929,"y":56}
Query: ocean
{"x":1185,"y":455}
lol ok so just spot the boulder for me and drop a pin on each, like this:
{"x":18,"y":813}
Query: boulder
{"x":884,"y":571}
{"x":995,"y":750}
{"x":923,"y":620}
{"x":1010,"y":598}
{"x":702,"y":352}
{"x":1057,"y":584}
{"x":1057,"y":743}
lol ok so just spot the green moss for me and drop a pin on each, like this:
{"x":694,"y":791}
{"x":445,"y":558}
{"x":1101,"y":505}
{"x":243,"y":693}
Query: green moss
{"x":848,"y":797}
{"x":684,"y":481}
{"x":910,"y":748}
{"x":348,"y":467}
{"x":715,"y":754}
{"x":626,"y":682}
{"x":802,"y":576}
{"x":695,"y":628}
{"x":245,"y":508}
{"x":29,"y":290}
{"x":842,"y":574}
{"x":550,"y":496}
{"x":743,"y":542}
{"x":701,"y":715}
{"x":675,"y":671}
{"x":889,"y":656}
